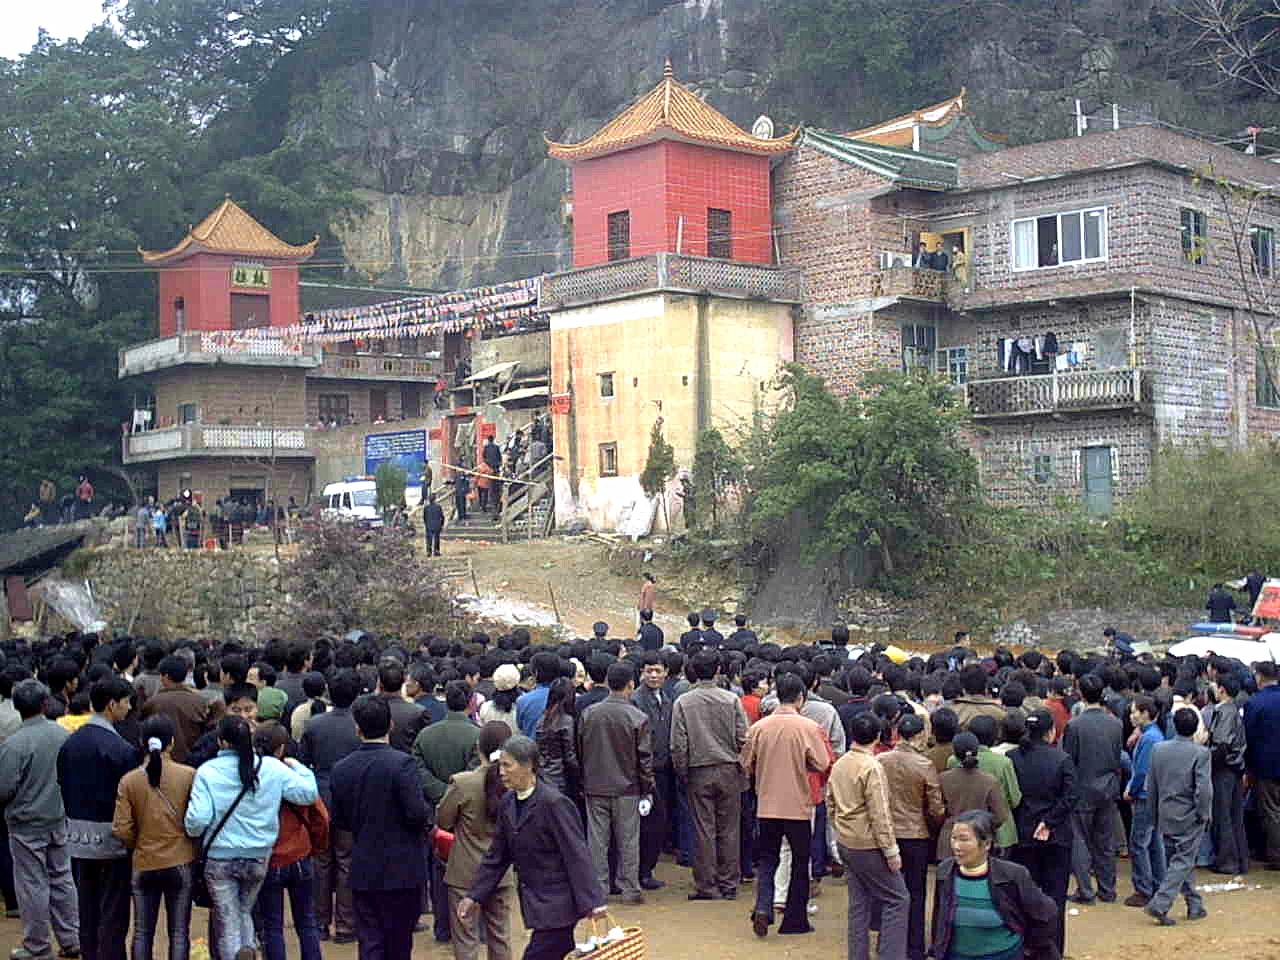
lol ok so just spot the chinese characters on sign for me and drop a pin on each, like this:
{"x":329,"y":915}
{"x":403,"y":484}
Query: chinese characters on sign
{"x":253,"y":275}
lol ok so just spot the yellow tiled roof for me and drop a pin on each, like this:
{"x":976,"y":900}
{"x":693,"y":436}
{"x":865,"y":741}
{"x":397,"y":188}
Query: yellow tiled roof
{"x":898,"y":131}
{"x":669,"y":110}
{"x":230,"y":230}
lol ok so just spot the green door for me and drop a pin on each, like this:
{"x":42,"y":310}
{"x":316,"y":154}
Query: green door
{"x":1097,"y":480}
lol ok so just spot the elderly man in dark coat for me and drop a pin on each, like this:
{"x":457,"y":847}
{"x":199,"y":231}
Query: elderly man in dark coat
{"x":539,"y":833}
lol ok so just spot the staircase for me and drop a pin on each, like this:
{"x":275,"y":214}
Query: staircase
{"x":528,"y":513}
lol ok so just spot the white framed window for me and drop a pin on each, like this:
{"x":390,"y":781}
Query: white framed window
{"x":1262,"y":241}
{"x":1078,"y":236}
{"x":953,"y":363}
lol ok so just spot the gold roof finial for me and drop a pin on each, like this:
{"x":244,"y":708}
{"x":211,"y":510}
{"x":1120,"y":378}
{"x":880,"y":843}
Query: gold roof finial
{"x":667,"y":72}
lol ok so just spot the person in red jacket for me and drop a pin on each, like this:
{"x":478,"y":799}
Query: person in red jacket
{"x":302,"y":831}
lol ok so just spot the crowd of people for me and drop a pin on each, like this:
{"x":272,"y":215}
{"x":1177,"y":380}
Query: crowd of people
{"x":386,"y":786}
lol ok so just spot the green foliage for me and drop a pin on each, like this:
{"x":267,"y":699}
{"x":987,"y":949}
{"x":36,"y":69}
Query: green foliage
{"x":390,"y":481}
{"x":1208,"y":510}
{"x":888,"y":471}
{"x":717,"y":469}
{"x":660,"y":465}
{"x":343,"y":578}
{"x":111,"y":143}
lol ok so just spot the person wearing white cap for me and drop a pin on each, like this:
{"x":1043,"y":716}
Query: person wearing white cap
{"x":502,"y":705}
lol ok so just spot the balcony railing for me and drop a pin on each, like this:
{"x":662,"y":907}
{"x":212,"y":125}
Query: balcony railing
{"x":195,"y":439}
{"x":208,"y":349}
{"x":671,"y":271}
{"x":1058,"y":393}
{"x":377,"y":366}
{"x":914,"y":282}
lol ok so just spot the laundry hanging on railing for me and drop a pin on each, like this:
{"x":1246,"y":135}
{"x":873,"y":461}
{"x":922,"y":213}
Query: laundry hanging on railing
{"x":501,"y":306}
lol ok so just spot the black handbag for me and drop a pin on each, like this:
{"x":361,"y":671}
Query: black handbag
{"x":199,"y":887}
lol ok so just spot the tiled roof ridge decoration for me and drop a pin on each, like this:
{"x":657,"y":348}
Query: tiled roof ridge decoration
{"x":670,"y":111}
{"x":924,"y":170}
{"x":229,"y":229}
{"x":935,"y":120}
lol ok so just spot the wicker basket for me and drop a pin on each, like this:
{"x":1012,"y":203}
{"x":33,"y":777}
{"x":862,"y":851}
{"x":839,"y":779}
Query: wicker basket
{"x":630,"y":947}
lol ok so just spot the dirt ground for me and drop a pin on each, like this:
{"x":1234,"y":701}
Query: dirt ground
{"x":1242,"y":924}
{"x":576,"y":573}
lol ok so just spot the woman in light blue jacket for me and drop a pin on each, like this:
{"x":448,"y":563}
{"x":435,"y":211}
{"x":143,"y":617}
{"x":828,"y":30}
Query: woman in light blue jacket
{"x":237,"y":858}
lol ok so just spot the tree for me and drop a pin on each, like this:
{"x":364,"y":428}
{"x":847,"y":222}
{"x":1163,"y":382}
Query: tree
{"x":1240,"y":40}
{"x":390,"y":481}
{"x":659,"y":467}
{"x":886,"y":471}
{"x":716,"y":470}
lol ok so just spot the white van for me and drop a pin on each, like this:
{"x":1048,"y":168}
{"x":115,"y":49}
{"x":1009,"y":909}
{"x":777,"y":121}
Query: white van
{"x":354,"y":500}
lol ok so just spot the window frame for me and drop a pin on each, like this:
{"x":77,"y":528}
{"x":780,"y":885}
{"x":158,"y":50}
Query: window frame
{"x":1190,"y":254}
{"x":1266,"y":395}
{"x":922,"y":353}
{"x":942,"y":363}
{"x":620,"y":250}
{"x":608,"y":449}
{"x":606,"y":377}
{"x":720,"y":236}
{"x":1042,"y":477}
{"x":324,"y":400}
{"x":1104,"y":238}
{"x":1256,"y":231}
{"x":194,"y":408}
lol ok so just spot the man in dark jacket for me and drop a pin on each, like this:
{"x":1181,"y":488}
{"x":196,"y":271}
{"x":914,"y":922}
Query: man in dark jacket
{"x":1226,"y":751}
{"x":433,"y":524}
{"x":329,"y":737}
{"x":1262,"y":754}
{"x":616,"y":750}
{"x":407,"y":718}
{"x":1221,"y":604}
{"x":90,"y":765}
{"x":1181,"y":789}
{"x":492,"y":455}
{"x":461,"y":487}
{"x":1094,"y":741}
{"x":650,"y":634}
{"x":377,"y":797}
{"x":656,"y":704}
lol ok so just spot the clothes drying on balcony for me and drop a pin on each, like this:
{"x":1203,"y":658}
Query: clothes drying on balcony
{"x":1029,"y":353}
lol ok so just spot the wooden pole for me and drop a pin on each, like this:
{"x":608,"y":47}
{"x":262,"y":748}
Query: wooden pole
{"x":474,"y":582}
{"x":554,"y":606}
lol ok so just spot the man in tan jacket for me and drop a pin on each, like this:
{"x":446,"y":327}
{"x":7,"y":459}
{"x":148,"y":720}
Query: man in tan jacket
{"x":858,"y":804}
{"x":780,"y":751}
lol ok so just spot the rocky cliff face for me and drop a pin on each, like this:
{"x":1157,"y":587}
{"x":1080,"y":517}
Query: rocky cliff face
{"x":443,"y":121}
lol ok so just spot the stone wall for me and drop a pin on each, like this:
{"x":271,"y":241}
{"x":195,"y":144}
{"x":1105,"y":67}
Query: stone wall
{"x":237,"y":395}
{"x":208,"y":596}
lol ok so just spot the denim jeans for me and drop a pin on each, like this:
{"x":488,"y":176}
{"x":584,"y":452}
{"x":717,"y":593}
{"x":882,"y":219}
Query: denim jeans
{"x":1146,"y":849}
{"x":233,"y":888}
{"x":298,"y":879}
{"x":173,"y":886}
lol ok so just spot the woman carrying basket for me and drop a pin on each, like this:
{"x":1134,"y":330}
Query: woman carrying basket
{"x":538,"y":831}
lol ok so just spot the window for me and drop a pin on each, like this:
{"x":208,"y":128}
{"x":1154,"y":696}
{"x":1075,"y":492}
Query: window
{"x":606,"y":384}
{"x":334,"y":406}
{"x":620,"y":235}
{"x":1076,"y":237}
{"x":918,"y":344}
{"x":608,"y":459}
{"x":180,"y":314}
{"x":188,"y":413}
{"x":719,"y":234}
{"x":1042,"y":468}
{"x":1265,"y":392}
{"x":249,"y":310}
{"x":1195,"y":235}
{"x":1263,"y":242}
{"x":953,"y":363}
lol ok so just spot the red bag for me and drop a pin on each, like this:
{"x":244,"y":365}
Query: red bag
{"x":441,"y":844}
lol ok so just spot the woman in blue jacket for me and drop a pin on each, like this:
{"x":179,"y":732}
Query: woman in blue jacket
{"x":237,"y":857}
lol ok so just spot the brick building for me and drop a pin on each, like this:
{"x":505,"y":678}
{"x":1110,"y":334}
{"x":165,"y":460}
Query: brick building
{"x":675,"y":311}
{"x":1096,"y":312}
{"x":253,"y":416}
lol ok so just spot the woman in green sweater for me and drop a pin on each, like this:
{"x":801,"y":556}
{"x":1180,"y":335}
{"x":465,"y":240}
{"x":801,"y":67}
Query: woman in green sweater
{"x":986,"y":908}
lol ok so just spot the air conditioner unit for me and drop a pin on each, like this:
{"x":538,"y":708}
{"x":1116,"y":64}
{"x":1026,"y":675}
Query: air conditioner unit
{"x":894,"y":258}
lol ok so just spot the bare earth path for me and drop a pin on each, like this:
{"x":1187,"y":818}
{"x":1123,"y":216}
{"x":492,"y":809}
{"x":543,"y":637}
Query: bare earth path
{"x":1242,"y":925}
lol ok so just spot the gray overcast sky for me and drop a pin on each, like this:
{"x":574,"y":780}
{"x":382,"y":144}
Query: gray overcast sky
{"x":21,"y":20}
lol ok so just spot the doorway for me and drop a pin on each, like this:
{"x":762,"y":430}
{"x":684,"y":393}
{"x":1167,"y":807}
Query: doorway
{"x":377,"y":405}
{"x":1097,"y":481}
